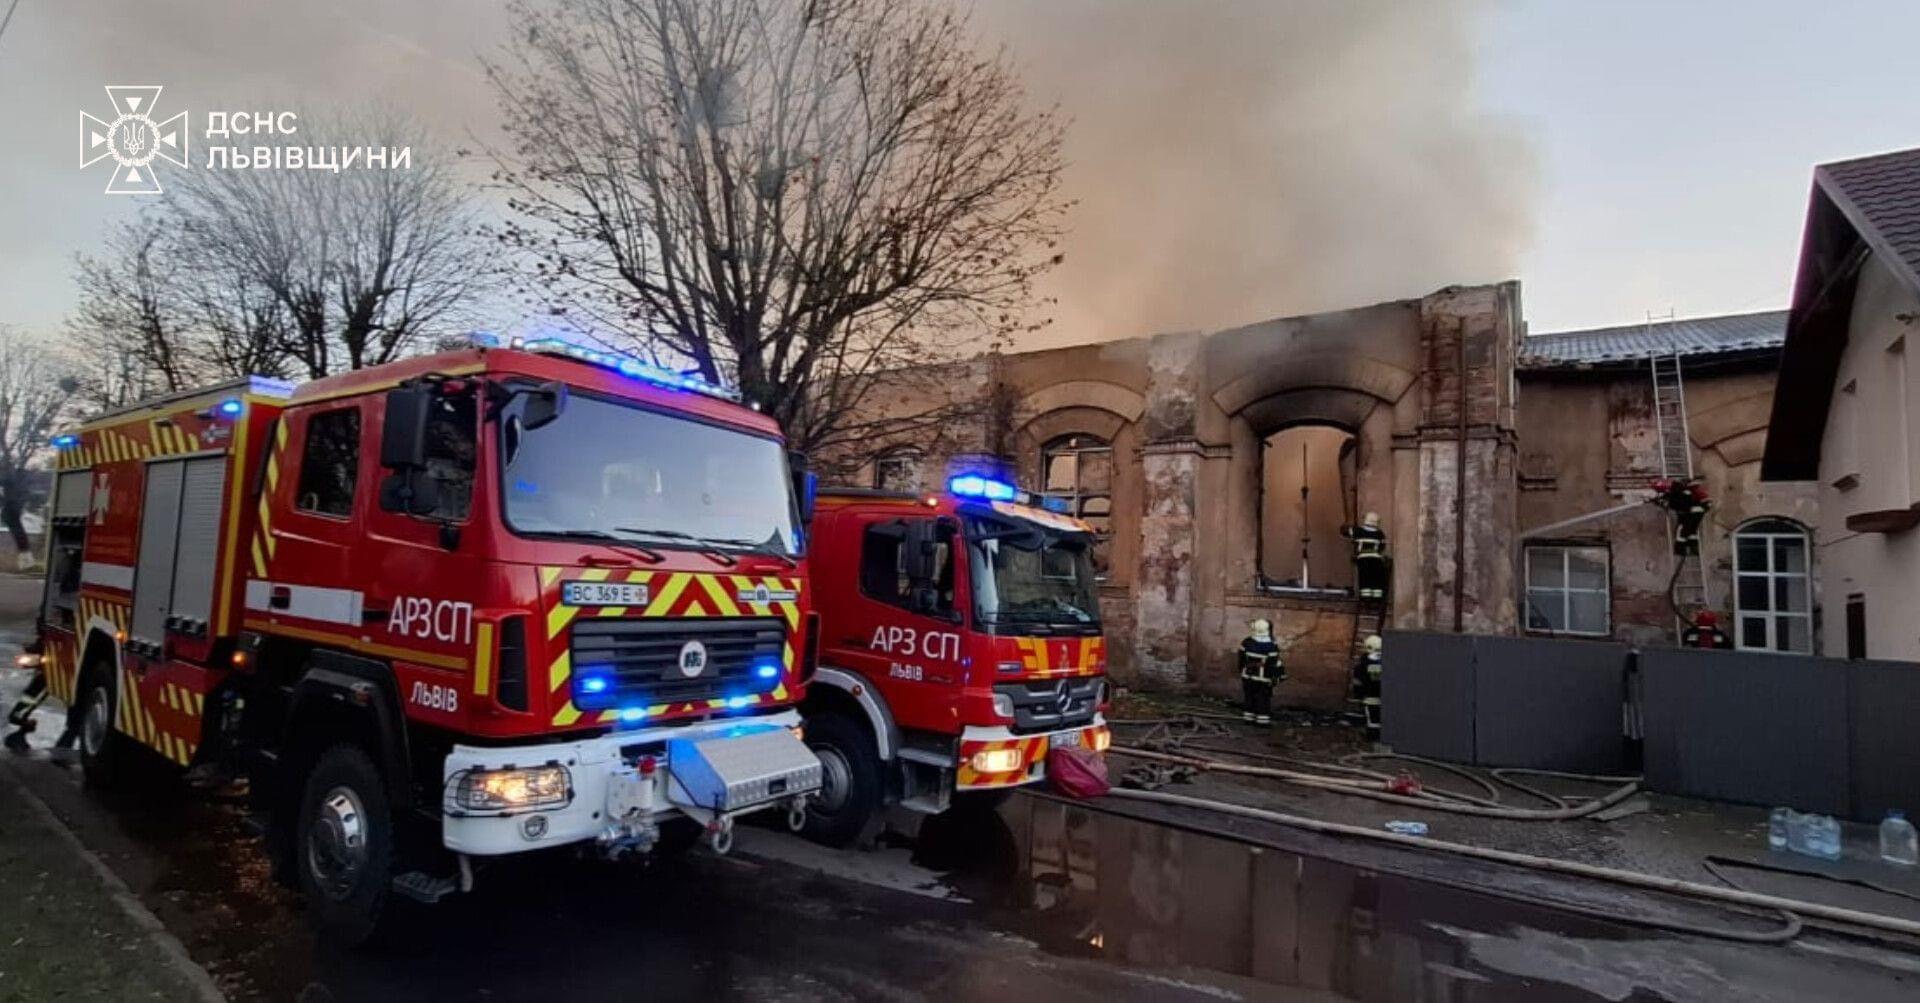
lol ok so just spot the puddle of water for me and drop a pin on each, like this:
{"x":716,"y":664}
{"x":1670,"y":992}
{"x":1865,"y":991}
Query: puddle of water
{"x":1094,"y":884}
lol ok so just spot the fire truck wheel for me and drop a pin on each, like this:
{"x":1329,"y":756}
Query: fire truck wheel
{"x":849,"y":781}
{"x":344,"y":845}
{"x":102,"y":749}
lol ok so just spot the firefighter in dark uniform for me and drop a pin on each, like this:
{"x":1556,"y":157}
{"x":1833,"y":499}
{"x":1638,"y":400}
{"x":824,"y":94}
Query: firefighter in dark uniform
{"x":1369,"y":557}
{"x":20,"y":715}
{"x":1366,"y":685}
{"x":1705,"y":632}
{"x":1687,"y":500}
{"x":1260,"y":669}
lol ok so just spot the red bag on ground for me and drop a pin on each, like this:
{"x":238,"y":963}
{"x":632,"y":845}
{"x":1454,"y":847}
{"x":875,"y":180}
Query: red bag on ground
{"x":1077,"y":773}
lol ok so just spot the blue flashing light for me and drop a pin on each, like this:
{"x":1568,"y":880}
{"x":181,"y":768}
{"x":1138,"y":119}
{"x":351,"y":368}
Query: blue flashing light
{"x":629,"y":715}
{"x":67,"y":441}
{"x":738,"y":702}
{"x":594,"y":684}
{"x":1055,"y":504}
{"x":768,"y":671}
{"x":976,"y":486}
{"x":627,"y":365}
{"x":230,"y":408}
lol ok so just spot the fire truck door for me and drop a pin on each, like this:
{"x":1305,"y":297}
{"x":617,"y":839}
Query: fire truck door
{"x":906,"y":626}
{"x":159,"y":537}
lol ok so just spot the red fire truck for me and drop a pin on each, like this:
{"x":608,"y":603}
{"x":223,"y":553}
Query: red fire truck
{"x":960,"y":642}
{"x":444,"y":609}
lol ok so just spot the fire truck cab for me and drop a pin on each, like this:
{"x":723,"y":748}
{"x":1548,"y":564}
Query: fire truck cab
{"x":439,"y":611}
{"x":960,"y":642}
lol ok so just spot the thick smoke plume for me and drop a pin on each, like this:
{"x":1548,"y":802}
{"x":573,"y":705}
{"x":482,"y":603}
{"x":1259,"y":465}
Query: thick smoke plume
{"x":1236,"y":160}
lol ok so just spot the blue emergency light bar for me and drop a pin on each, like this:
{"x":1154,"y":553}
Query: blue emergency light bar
{"x":627,"y":365}
{"x":989,"y":489}
{"x":67,"y":441}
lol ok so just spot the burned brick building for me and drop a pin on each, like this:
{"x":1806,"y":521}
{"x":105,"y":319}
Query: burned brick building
{"x":1219,"y":469}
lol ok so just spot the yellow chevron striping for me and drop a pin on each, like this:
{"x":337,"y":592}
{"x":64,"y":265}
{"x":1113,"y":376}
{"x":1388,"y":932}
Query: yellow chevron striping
{"x":259,"y":559}
{"x":717,"y":591}
{"x":200,"y":704}
{"x":559,"y":671}
{"x":566,"y":715}
{"x":669,"y":595}
{"x":548,"y":576}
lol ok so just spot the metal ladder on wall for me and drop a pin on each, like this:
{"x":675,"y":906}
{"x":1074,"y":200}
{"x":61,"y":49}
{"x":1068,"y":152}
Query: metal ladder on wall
{"x":1676,"y":461}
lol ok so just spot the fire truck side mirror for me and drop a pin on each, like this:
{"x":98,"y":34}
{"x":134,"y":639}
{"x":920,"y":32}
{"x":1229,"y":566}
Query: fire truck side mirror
{"x":806,"y":484}
{"x":544,"y":403}
{"x":918,"y":560}
{"x":403,"y":435}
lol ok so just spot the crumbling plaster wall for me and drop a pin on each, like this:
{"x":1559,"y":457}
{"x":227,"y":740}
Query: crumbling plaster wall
{"x":1186,"y":414}
{"x":1588,"y":442}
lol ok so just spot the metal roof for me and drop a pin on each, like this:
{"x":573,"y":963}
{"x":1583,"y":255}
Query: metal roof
{"x":1739,"y":332}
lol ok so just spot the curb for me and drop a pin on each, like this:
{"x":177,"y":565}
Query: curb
{"x":157,"y":933}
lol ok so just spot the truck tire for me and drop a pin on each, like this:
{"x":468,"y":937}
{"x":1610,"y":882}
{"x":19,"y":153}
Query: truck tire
{"x":103,"y":749}
{"x":344,"y":845}
{"x":849,"y":781}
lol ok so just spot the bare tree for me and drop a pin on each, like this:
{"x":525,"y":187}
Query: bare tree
{"x":130,"y":318}
{"x":328,"y":270}
{"x":34,"y":393}
{"x":802,"y":194}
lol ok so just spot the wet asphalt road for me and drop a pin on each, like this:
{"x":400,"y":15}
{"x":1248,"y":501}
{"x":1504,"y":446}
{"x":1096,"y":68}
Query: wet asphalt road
{"x":1038,"y":901}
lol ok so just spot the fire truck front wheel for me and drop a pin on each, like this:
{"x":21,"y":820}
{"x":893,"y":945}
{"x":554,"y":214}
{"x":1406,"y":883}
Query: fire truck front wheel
{"x":102,"y":749}
{"x":344,"y":845}
{"x":849,"y":780}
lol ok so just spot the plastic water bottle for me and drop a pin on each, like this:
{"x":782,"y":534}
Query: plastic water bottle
{"x":1813,"y":835}
{"x":1898,"y":842}
{"x":1777,"y":822}
{"x":1824,"y":837}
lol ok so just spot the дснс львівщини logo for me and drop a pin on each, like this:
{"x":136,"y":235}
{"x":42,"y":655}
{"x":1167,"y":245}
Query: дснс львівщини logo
{"x":133,"y":140}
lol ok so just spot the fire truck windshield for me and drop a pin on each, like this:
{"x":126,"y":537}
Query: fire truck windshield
{"x":1029,"y":579}
{"x":603,"y":469}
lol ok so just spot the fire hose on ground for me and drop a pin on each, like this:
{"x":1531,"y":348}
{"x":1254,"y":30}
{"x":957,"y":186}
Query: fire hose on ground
{"x":1361,"y":782}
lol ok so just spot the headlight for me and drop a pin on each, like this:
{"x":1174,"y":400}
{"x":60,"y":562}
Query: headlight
{"x":1003,"y":706}
{"x":509,"y":790}
{"x":1099,"y":739}
{"x":996,"y":761}
{"x":27,"y":660}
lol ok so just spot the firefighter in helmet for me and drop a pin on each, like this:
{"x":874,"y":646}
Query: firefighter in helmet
{"x":1260,"y":669}
{"x":1687,"y":499}
{"x":1366,"y":685}
{"x":1705,"y":632}
{"x":1369,"y":557}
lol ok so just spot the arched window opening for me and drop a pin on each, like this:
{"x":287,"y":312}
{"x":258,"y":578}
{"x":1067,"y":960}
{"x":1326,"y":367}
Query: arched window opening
{"x":1078,"y":469}
{"x":1772,"y":587}
{"x":898,"y":469}
{"x":1308,"y":491}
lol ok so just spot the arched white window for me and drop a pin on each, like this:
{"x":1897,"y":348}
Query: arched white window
{"x":1772,"y":587}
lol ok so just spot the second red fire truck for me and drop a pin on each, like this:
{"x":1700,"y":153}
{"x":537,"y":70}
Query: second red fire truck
{"x":959,"y":643}
{"x":439,"y":611}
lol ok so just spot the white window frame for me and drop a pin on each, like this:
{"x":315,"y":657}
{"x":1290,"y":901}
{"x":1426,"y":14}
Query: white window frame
{"x":1565,"y":591}
{"x":1761,"y":529}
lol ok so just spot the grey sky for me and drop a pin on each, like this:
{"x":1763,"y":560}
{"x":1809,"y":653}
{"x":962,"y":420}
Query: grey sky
{"x":1637,"y":156}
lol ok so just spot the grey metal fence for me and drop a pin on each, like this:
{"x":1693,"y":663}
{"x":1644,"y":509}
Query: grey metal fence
{"x":1820,"y":734}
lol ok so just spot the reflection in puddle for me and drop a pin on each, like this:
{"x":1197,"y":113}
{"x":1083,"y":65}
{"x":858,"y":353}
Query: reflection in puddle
{"x":1091,"y":883}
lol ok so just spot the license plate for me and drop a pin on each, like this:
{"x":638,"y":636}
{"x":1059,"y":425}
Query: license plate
{"x":578,"y":593}
{"x":1066,"y":739}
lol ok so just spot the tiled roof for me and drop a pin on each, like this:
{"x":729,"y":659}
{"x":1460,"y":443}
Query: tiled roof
{"x":1632,"y":342}
{"x":1881,"y":196}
